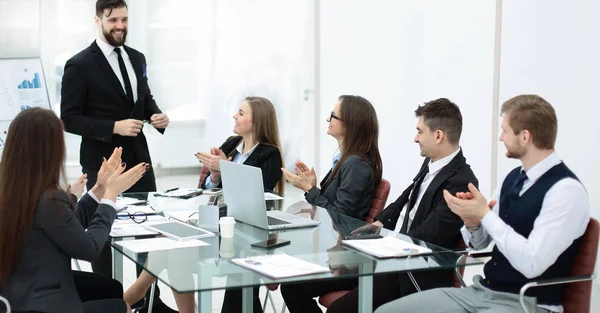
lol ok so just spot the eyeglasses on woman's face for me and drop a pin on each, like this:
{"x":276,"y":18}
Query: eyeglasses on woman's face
{"x":333,"y":116}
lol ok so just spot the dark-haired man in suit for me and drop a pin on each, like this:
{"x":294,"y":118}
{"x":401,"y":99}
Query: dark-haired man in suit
{"x":106,"y":100}
{"x":420,"y":212}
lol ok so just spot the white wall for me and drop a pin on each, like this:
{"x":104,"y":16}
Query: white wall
{"x":400,"y":54}
{"x":552,"y":48}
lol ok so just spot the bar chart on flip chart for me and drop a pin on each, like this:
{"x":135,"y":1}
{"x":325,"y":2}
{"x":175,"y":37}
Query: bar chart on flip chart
{"x":22,"y":86}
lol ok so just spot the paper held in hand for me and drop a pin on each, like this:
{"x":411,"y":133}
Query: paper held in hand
{"x":386,"y":247}
{"x":280,"y":266}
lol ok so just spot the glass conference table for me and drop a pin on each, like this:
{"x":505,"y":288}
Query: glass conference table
{"x":207,"y":268}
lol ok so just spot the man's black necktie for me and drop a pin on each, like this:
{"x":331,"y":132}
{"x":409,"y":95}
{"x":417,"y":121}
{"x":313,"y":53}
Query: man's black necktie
{"x":413,"y":197}
{"x":126,"y":80}
{"x":513,"y":193}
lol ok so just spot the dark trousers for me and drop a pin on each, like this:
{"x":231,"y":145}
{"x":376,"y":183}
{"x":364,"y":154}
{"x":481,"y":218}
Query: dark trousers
{"x":232,"y":303}
{"x":99,"y":294}
{"x":299,"y":297}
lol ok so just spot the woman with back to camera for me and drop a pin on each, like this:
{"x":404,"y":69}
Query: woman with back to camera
{"x":256,"y":144}
{"x":42,"y":228}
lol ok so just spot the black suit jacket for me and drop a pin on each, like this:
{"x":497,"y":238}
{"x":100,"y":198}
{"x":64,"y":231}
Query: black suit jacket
{"x":266,"y":157}
{"x":42,"y":280}
{"x":434,"y":222}
{"x":93,"y":99}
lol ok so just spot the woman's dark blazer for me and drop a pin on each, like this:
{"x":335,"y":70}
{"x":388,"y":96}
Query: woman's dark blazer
{"x":42,"y":280}
{"x":349,"y":192}
{"x":266,"y":157}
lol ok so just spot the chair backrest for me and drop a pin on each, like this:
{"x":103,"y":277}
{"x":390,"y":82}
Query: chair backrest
{"x":578,"y":295}
{"x":381,"y":194}
{"x":203,"y":174}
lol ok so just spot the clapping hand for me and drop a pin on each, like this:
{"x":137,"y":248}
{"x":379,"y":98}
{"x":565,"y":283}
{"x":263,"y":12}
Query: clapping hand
{"x":310,"y":173}
{"x":120,"y":181}
{"x":109,"y":167}
{"x":300,"y":180}
{"x":76,"y":188}
{"x":471,"y":206}
{"x":211,"y":159}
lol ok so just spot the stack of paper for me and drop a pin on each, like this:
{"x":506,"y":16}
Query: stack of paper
{"x":386,"y":247}
{"x":280,"y":266}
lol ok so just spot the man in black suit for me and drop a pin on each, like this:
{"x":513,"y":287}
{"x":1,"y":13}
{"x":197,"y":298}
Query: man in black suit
{"x":106,"y":100}
{"x":420,"y":212}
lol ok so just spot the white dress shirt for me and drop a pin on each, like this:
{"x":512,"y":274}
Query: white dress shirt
{"x":113,"y":60}
{"x":563,"y":218}
{"x":104,"y":200}
{"x":240,"y":157}
{"x":434,"y":169}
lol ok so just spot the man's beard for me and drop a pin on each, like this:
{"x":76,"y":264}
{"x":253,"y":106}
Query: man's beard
{"x":111,"y":40}
{"x":515,"y":153}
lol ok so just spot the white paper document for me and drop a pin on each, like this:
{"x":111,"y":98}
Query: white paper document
{"x":386,"y":247}
{"x":139,"y":209}
{"x":129,"y":228}
{"x":280,"y":266}
{"x":158,"y":244}
{"x":272,"y":196}
{"x":125,"y":201}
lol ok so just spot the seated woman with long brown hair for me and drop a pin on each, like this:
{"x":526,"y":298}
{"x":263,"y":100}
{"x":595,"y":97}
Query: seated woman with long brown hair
{"x":256,"y":144}
{"x":42,"y":228}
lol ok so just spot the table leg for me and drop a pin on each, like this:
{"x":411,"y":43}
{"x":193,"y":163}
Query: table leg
{"x":117,"y":263}
{"x":204,"y":301}
{"x":247,"y":299}
{"x":365,"y":289}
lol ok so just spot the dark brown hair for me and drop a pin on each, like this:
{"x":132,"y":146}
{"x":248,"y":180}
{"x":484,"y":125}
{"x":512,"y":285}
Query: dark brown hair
{"x":32,"y":164}
{"x":362,"y":133}
{"x":102,"y":5}
{"x":266,"y":129}
{"x":442,"y":114}
{"x":534,"y":114}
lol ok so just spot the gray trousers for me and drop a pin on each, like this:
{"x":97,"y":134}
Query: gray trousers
{"x":475,"y":298}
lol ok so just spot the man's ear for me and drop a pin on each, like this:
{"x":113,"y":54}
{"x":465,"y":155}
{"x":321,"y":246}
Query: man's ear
{"x":439,"y":136}
{"x":526,"y":136}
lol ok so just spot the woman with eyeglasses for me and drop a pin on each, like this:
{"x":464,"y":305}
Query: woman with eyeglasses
{"x":347,"y":189}
{"x":43,"y":227}
{"x":256,"y":144}
{"x":349,"y":186}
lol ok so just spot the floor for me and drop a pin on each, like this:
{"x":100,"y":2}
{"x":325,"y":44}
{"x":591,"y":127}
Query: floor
{"x":171,"y":181}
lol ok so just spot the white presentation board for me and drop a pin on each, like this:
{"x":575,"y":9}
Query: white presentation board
{"x":22,"y":86}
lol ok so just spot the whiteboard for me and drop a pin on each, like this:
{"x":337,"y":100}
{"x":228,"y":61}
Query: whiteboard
{"x":22,"y":86}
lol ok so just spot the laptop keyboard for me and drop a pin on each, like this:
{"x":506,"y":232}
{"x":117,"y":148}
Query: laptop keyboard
{"x":276,"y":221}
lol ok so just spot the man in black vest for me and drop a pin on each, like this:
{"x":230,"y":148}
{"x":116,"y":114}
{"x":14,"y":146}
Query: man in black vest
{"x":419,"y":212}
{"x":106,"y":100}
{"x":537,"y":223}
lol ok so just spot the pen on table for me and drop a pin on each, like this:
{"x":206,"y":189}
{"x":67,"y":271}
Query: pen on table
{"x":169,"y":190}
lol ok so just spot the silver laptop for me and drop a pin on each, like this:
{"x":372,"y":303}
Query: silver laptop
{"x":244,"y":194}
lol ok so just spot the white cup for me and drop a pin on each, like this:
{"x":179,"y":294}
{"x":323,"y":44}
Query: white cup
{"x":226,"y":223}
{"x":226,"y":250}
